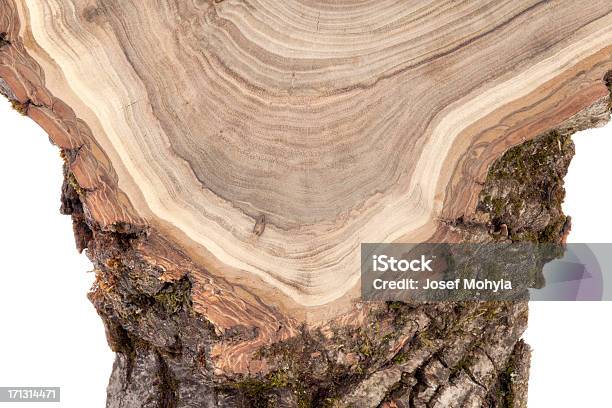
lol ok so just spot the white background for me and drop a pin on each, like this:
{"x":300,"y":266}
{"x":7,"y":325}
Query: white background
{"x":51,"y":335}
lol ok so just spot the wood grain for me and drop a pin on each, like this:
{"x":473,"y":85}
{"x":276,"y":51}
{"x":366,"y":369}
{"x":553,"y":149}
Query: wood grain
{"x":265,"y":140}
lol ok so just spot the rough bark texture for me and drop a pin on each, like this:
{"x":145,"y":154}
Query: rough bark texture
{"x":391,"y":355}
{"x":189,"y":336}
{"x":398,"y":355}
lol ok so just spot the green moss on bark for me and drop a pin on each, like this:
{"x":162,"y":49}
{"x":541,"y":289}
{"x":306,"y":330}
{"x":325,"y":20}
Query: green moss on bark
{"x":524,"y":189}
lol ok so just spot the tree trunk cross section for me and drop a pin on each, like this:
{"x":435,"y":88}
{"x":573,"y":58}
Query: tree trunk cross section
{"x":224,"y":160}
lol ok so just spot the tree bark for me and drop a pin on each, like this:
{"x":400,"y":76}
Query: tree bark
{"x":223,"y":161}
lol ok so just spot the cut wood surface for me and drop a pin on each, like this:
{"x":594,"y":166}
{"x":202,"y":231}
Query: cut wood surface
{"x":225,"y":159}
{"x":269,"y":139}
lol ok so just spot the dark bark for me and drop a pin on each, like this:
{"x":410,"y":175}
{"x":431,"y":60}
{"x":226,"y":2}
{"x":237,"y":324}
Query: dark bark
{"x":465,"y":354}
{"x":461,"y":354}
